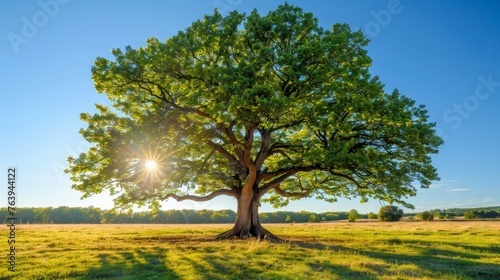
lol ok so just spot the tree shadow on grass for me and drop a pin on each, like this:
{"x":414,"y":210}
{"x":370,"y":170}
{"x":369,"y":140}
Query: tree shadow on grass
{"x":445,"y":262}
{"x":424,"y":261}
{"x":251,"y":266}
{"x":431,"y":262}
{"x":491,"y":248}
{"x":132,"y":265}
{"x":222,"y":269}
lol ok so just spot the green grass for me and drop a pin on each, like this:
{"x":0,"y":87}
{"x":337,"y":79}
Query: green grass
{"x":340,"y":250}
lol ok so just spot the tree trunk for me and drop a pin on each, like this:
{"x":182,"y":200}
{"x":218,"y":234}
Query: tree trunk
{"x":247,"y":220}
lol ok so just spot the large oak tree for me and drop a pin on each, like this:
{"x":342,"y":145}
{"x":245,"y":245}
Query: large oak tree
{"x":259,"y":108}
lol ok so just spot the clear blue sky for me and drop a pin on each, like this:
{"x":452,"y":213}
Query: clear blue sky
{"x":444,"y":54}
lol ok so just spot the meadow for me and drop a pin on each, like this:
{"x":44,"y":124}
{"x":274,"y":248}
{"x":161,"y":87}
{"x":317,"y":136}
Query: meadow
{"x":337,"y":250}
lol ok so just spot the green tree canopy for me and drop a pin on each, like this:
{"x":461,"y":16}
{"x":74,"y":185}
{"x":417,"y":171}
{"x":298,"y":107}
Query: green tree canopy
{"x":353,"y":215}
{"x":257,"y":107}
{"x":313,"y":218}
{"x":425,"y":216}
{"x":372,"y":215}
{"x":390,"y":213}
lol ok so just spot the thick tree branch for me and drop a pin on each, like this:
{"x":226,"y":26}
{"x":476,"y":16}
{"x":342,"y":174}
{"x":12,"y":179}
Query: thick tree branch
{"x":264,"y":148}
{"x":269,"y":175}
{"x":191,"y":110}
{"x":141,"y":82}
{"x":247,"y":156}
{"x":208,"y":197}
{"x":225,"y":153}
{"x":291,"y":194}
{"x":274,"y":183}
{"x":206,"y":160}
{"x":351,"y":179}
{"x":288,"y":125}
{"x":229,"y":132}
{"x":279,"y":146}
{"x":238,"y":151}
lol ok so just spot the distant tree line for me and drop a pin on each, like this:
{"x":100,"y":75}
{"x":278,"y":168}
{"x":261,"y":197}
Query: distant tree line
{"x":467,"y":213}
{"x":481,"y":214}
{"x":461,"y":211}
{"x":93,"y":215}
{"x":300,"y":217}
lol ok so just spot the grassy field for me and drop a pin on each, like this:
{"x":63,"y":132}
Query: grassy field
{"x":340,"y":250}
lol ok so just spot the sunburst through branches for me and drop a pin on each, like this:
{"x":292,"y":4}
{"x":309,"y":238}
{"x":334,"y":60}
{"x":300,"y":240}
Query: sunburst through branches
{"x":150,"y":165}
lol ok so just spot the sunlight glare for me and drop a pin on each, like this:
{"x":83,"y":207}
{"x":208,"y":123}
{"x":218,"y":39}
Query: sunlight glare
{"x":150,"y":165}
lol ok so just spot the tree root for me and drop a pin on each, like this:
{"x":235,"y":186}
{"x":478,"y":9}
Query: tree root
{"x":261,"y":234}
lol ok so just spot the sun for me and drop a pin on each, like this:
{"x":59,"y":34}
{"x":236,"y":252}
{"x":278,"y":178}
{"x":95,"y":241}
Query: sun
{"x":150,"y":165}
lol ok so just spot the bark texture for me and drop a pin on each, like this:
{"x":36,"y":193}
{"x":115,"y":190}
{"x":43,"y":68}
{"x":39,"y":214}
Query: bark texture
{"x":247,"y":223}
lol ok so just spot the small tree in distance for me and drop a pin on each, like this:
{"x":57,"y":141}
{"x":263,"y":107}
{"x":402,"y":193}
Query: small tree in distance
{"x":353,"y":215}
{"x":372,"y":216}
{"x":425,"y":216}
{"x":437,"y":215}
{"x":390,"y":213}
{"x":314,"y":218}
{"x":470,"y":215}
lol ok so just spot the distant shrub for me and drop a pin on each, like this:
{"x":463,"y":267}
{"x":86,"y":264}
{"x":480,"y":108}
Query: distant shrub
{"x":437,"y":215}
{"x":470,"y":215}
{"x":425,"y":216}
{"x":353,"y":215}
{"x":372,"y":215}
{"x":390,"y":213}
{"x":314,"y":218}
